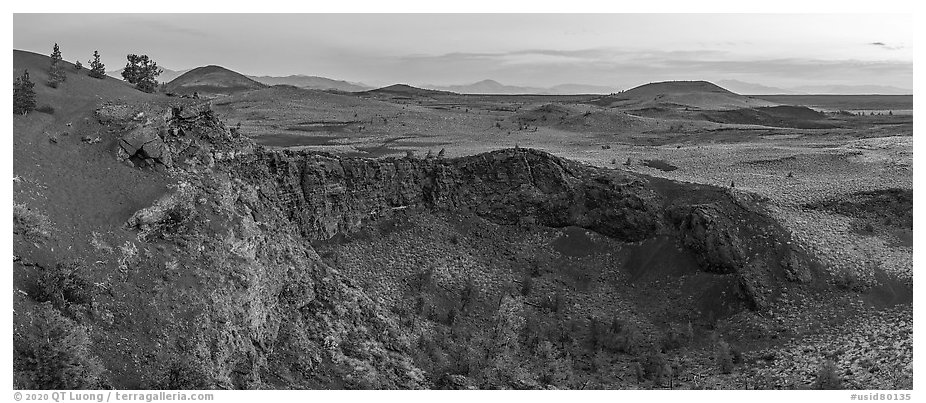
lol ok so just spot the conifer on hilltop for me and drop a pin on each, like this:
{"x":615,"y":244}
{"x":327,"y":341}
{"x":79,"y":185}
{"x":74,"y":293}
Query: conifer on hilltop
{"x":97,"y":69}
{"x":23,"y":94}
{"x":55,"y":71}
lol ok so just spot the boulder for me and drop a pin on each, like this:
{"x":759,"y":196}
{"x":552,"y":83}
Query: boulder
{"x":145,"y":143}
{"x":134,"y":140}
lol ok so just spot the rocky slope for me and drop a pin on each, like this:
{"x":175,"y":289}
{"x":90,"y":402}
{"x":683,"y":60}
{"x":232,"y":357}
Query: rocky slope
{"x":223,"y":290}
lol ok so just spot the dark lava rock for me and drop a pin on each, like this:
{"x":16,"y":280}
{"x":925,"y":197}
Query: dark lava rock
{"x":729,"y":233}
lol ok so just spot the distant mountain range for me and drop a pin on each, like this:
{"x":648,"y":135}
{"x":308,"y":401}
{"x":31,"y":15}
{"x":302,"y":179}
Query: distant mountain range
{"x":297,"y":80}
{"x":746,"y":88}
{"x":495,"y":87}
{"x":312,"y":82}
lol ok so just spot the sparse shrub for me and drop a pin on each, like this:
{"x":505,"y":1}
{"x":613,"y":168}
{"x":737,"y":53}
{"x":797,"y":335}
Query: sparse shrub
{"x":23,"y":94}
{"x":97,"y":68}
{"x":422,"y":281}
{"x":96,"y":240}
{"x":848,"y":279}
{"x":583,"y":277}
{"x":827,"y":378}
{"x":596,"y":333}
{"x":637,"y":369}
{"x":555,"y":368}
{"x":677,"y":337}
{"x":128,"y":252}
{"x":31,"y":225}
{"x":185,"y":374}
{"x":656,"y":368}
{"x":78,"y":66}
{"x":737,"y":355}
{"x":55,"y":71}
{"x":53,"y":352}
{"x":468,"y":294}
{"x":723,"y":357}
{"x":65,"y":284}
{"x":535,"y":270}
{"x":46,"y":109}
{"x":552,"y":303}
{"x":623,"y":337}
{"x":451,"y":317}
{"x":901,"y":378}
{"x":600,"y":362}
{"x":527,"y":285}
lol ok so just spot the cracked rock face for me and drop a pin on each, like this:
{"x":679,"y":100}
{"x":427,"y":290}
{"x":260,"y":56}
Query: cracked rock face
{"x":146,"y":144}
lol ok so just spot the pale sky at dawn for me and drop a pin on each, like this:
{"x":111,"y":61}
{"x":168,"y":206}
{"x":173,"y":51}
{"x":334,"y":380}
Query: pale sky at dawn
{"x":620,"y":50}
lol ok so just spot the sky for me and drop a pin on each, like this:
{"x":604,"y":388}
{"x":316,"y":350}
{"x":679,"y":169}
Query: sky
{"x":539,"y":50}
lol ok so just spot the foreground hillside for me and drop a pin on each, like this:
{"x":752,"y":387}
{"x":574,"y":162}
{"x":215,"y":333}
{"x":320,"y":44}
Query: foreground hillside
{"x":169,"y":251}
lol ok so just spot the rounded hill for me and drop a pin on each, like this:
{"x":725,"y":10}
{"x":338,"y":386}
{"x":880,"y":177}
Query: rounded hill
{"x":687,"y":94}
{"x":212,"y":80}
{"x":405,"y":89}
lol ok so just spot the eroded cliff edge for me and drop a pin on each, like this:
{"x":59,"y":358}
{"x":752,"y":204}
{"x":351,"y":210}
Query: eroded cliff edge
{"x":259,"y":307}
{"x":728,"y":231}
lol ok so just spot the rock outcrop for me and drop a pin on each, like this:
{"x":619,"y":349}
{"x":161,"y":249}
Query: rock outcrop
{"x":189,"y":134}
{"x":327,"y":195}
{"x":729,"y":232}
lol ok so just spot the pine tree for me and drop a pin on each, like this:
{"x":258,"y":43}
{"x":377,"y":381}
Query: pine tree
{"x":142,"y":72}
{"x":23,"y":94}
{"x":97,"y":69}
{"x":55,"y":71}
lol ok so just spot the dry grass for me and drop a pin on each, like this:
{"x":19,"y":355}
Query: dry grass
{"x":30,"y":224}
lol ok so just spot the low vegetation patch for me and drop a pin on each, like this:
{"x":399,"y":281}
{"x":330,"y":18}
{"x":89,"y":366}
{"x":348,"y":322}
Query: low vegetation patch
{"x":827,"y":378}
{"x":30,"y":224}
{"x":46,"y":109}
{"x":51,"y":351}
{"x":660,"y":165}
{"x":65,"y":285}
{"x":888,"y":208}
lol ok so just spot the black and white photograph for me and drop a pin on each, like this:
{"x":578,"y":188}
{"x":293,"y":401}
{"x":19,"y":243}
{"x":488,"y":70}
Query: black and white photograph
{"x":577,"y":200}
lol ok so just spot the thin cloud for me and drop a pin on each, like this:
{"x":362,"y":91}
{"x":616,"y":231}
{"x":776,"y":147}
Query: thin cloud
{"x":172,"y":27}
{"x":883,"y":45}
{"x":621,"y":66}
